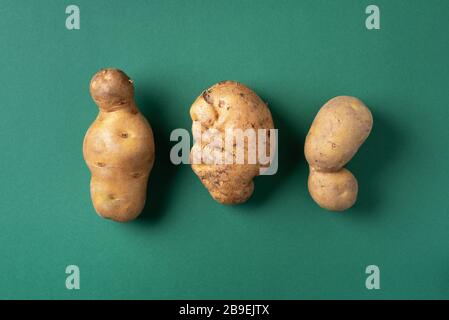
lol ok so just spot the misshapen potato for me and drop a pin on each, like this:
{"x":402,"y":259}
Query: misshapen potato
{"x":339,"y":129}
{"x":118,"y":148}
{"x":228,"y":105}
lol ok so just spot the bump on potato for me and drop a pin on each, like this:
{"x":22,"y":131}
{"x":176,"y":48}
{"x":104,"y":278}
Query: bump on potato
{"x":335,"y":191}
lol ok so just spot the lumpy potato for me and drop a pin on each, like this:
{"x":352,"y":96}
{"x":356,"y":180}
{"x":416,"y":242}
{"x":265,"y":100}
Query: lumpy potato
{"x":228,"y":105}
{"x":341,"y":126}
{"x":118,"y":148}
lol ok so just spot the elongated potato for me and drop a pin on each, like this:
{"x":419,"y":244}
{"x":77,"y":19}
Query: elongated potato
{"x":226,"y":107}
{"x":338,"y":131}
{"x":118,"y":148}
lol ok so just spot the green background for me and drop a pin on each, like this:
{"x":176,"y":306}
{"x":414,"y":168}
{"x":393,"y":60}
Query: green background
{"x":280,"y":245}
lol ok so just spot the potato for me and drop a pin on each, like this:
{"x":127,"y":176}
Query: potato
{"x":336,"y":191}
{"x":118,"y":148}
{"x":339,"y":129}
{"x":228,"y":105}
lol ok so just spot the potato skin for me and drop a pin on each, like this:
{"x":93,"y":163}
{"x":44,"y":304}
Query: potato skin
{"x":341,"y":126}
{"x":229,"y":105}
{"x":118,"y":148}
{"x":335,"y":191}
{"x":338,"y":131}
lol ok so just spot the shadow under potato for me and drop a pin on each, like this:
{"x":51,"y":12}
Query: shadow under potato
{"x":382,"y":146}
{"x":290,"y":157}
{"x":163,"y":172}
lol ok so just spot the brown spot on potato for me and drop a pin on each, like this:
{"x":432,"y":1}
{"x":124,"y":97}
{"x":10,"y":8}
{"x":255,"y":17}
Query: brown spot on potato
{"x":207,"y":97}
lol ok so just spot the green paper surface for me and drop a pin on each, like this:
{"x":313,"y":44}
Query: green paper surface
{"x":280,"y":245}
